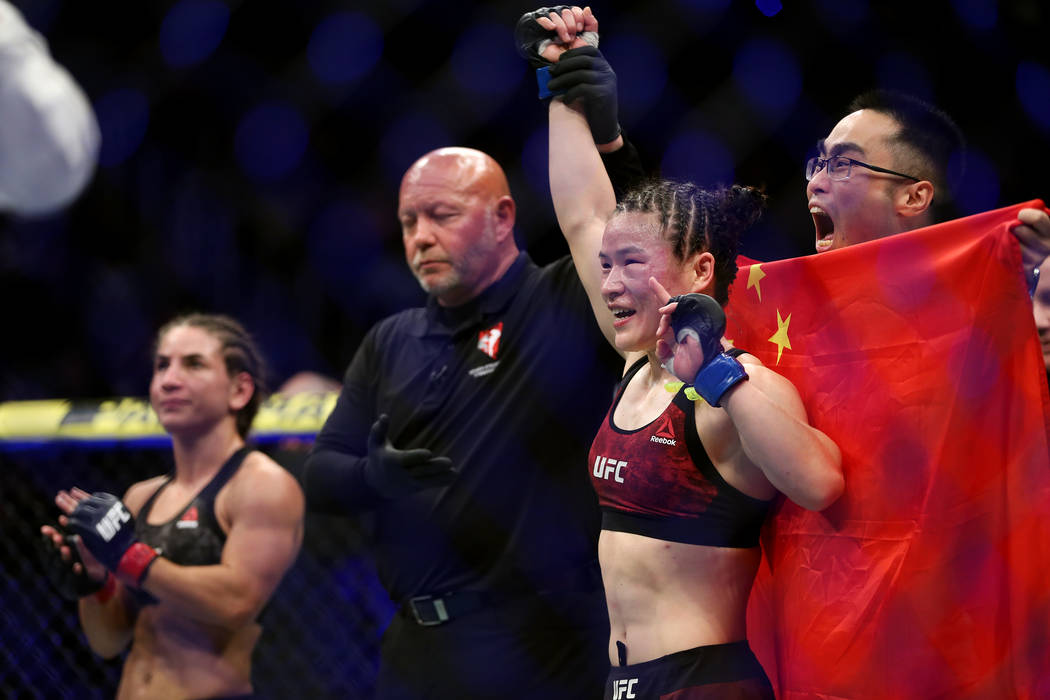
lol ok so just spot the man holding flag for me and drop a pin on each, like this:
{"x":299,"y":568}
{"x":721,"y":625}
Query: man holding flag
{"x":927,"y":579}
{"x":914,"y":353}
{"x":857,"y":191}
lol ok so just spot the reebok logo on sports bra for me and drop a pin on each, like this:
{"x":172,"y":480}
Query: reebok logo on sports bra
{"x":663,"y":432}
{"x":189,"y":519}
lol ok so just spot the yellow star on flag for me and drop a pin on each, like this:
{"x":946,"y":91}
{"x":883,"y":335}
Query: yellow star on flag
{"x":780,"y":338}
{"x":754,"y":276}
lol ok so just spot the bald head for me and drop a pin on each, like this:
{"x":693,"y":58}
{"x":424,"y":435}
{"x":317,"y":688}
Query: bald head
{"x":457,"y":223}
{"x":466,"y":169}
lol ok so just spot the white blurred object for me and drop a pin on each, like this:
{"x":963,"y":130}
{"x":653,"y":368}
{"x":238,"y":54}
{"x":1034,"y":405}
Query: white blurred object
{"x":49,"y":138}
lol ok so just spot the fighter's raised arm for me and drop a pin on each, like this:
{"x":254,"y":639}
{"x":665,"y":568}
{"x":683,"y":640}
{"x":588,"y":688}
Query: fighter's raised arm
{"x":581,"y":189}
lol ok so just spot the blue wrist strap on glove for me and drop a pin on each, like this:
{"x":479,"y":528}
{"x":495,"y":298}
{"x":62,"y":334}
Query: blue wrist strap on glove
{"x":716,"y":378}
{"x":543,"y":76}
{"x":704,"y":318}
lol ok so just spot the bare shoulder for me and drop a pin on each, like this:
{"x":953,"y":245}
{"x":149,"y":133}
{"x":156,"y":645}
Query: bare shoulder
{"x":770,"y":381}
{"x":748,"y":360}
{"x":263,"y":483}
{"x":138,"y":493}
{"x":258,"y":465}
{"x":753,"y":365}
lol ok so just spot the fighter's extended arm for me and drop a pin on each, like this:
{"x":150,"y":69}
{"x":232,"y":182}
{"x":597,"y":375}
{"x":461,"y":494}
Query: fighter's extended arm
{"x":798,"y":460}
{"x":583,"y":200}
{"x":266,"y":531}
{"x":265,"y":513}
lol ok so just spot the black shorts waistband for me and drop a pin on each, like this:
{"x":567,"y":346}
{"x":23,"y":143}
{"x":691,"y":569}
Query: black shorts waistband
{"x":717,"y":670}
{"x":729,"y":661}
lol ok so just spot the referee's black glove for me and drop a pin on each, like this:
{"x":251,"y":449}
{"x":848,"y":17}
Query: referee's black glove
{"x":395,"y":473}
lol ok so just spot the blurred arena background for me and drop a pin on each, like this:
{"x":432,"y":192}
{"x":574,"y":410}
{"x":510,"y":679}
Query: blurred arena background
{"x":251,"y":154}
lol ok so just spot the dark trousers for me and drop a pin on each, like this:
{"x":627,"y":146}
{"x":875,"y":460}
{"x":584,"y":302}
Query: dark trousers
{"x":714,"y":672}
{"x":539,"y":646}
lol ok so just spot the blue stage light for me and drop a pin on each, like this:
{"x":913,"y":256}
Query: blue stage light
{"x":192,"y":30}
{"x":699,"y":157}
{"x":1033,"y":90}
{"x":343,"y":47}
{"x":270,"y":141}
{"x":978,"y":14}
{"x":766,"y":72}
{"x":123,"y":115}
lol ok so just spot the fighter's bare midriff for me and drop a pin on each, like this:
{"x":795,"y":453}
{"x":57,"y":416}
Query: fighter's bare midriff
{"x":665,"y":597}
{"x":173,"y":657}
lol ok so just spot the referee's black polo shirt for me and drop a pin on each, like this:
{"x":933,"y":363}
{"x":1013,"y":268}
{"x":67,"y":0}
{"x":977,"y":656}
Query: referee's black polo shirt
{"x":512,"y":386}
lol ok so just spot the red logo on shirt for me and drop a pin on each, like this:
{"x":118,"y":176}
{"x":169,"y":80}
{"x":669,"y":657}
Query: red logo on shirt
{"x":664,"y":433}
{"x":188,"y":519}
{"x":488,"y":341}
{"x":665,"y":428}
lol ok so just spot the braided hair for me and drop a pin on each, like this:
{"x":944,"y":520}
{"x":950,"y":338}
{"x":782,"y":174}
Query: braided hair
{"x":696,"y":220}
{"x":239,"y":352}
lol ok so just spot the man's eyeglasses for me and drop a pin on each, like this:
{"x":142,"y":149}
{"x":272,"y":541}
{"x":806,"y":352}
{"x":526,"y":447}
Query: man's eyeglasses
{"x":840,"y":167}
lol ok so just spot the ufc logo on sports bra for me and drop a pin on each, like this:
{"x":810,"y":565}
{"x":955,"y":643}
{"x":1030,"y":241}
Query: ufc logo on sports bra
{"x":604,"y":467}
{"x":624,"y":688}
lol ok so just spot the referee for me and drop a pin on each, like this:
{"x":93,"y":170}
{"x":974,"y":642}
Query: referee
{"x":460,"y":439}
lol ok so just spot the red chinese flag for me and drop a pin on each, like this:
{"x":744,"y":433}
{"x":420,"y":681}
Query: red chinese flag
{"x":930,"y":577}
